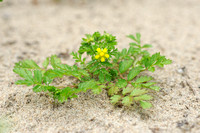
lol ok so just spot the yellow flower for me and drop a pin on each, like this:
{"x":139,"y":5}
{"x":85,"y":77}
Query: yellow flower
{"x":97,"y":56}
{"x":102,"y":54}
{"x":105,"y":50}
{"x":98,"y":50}
{"x":102,"y":59}
{"x":107,"y":55}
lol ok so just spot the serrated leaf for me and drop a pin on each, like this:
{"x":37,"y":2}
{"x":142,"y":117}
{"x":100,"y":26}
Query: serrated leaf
{"x":127,"y":90}
{"x":115,"y":99}
{"x":83,"y":72}
{"x":134,"y":44}
{"x":125,"y":65}
{"x":138,"y":36}
{"x":124,"y":52}
{"x":46,"y":63}
{"x":167,"y":61}
{"x":137,"y":92}
{"x":114,"y":73}
{"x":143,"y":97}
{"x":133,"y":73}
{"x":47,"y":80}
{"x":155,"y":59}
{"x":103,"y":70}
{"x":113,"y":90}
{"x":151,"y":69}
{"x":51,"y":74}
{"x":132,"y":37}
{"x":108,"y":78}
{"x":135,"y":85}
{"x":101,"y":77}
{"x":97,"y":90}
{"x":148,"y":84}
{"x":29,"y":64}
{"x":143,"y":79}
{"x":39,"y":88}
{"x":37,"y":76}
{"x":145,"y":53}
{"x":145,"y":105}
{"x":121,"y":83}
{"x":24,"y":82}
{"x":66,"y":93}
{"x":156,"y":88}
{"x":55,"y":61}
{"x":147,"y":46}
{"x":87,"y":85}
{"x":107,"y":64}
{"x":127,"y":101}
{"x":24,"y":73}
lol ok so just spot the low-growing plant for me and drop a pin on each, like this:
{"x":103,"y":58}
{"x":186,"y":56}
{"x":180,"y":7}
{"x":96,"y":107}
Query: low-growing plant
{"x":118,"y":72}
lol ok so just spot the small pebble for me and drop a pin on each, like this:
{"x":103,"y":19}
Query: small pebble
{"x":181,"y":70}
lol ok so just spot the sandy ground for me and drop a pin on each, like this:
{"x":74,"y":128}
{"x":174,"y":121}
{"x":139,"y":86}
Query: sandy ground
{"x":35,"y":32}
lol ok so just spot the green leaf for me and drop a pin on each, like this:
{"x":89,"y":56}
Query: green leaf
{"x":46,"y":63}
{"x":138,"y":36}
{"x":133,"y":73}
{"x":55,"y":61}
{"x":65,"y":94}
{"x":145,"y":105}
{"x":55,"y":73}
{"x":98,"y":90}
{"x":121,"y":83}
{"x":108,"y":78}
{"x":143,"y":97}
{"x":37,"y":76}
{"x":101,"y":77}
{"x":114,"y":73}
{"x":39,"y":88}
{"x":156,"y":88}
{"x":134,"y":44}
{"x":24,"y":73}
{"x":151,"y":69}
{"x":137,"y":92}
{"x":135,"y":85}
{"x":127,"y":101}
{"x":115,"y":99}
{"x":145,"y":53}
{"x":127,"y":90}
{"x":147,"y":46}
{"x":125,"y":65}
{"x":83,"y":72}
{"x":155,"y":59}
{"x":148,"y":84}
{"x":132,"y":37}
{"x":143,"y":79}
{"x":28,"y":64}
{"x":113,"y":90}
{"x":87,"y":85}
{"x":124,"y":52}
{"x":24,"y":82}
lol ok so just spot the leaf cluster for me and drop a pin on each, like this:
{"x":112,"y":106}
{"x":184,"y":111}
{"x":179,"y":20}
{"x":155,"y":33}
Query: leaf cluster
{"x":119,"y":75}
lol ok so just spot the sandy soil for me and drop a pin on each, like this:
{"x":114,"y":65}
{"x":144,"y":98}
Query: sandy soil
{"x":35,"y":32}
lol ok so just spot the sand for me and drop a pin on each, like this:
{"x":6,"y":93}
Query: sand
{"x":36,"y":31}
